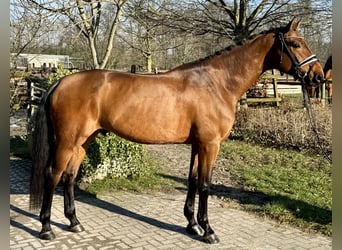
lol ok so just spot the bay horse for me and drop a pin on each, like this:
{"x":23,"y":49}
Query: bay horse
{"x":194,"y":104}
{"x":328,"y":77}
{"x":313,"y":91}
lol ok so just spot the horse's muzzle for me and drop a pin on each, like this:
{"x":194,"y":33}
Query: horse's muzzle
{"x":315,"y":80}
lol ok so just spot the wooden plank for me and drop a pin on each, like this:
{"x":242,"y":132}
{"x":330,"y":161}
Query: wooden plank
{"x":285,"y":89}
{"x":264,"y":99}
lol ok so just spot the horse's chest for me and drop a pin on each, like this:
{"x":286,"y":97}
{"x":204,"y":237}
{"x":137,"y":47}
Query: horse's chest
{"x":216,"y":125}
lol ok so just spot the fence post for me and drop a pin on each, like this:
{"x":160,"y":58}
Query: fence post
{"x":275,"y":88}
{"x":322,"y":88}
{"x":243,"y":102}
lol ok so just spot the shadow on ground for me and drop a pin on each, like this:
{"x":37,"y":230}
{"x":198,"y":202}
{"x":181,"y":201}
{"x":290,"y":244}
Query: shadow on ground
{"x":300,"y":209}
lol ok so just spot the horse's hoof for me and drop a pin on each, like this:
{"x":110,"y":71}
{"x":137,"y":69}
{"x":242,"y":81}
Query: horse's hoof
{"x":77,"y":228}
{"x":195,"y":229}
{"x":48,"y":235}
{"x":211,"y":239}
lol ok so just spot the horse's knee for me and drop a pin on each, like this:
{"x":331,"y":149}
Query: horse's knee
{"x":204,"y":189}
{"x":68,"y":178}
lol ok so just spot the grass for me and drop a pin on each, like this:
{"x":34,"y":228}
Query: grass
{"x":295,"y":188}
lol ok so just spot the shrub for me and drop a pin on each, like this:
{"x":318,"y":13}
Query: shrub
{"x":110,"y":155}
{"x":52,"y":78}
{"x":285,"y":127}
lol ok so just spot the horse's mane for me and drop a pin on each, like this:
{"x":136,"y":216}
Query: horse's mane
{"x":233,"y":46}
{"x":328,"y":64}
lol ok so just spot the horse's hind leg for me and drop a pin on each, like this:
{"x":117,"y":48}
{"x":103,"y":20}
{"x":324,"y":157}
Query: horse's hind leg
{"x":52,"y":178}
{"x":329,"y":87}
{"x":69,"y":177}
{"x":189,"y":207}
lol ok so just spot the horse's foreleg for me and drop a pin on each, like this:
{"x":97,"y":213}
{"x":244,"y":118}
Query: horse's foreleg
{"x":52,"y":178}
{"x":207,"y":157}
{"x":317,"y":89}
{"x":69,"y":199}
{"x":189,"y":207}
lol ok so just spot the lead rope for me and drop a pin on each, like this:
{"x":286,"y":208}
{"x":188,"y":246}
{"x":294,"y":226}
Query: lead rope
{"x":313,"y":123}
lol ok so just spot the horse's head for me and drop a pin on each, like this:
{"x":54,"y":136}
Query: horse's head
{"x":296,"y":58}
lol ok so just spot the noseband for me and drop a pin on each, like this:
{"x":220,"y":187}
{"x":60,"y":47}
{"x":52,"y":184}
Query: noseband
{"x":298,"y":73}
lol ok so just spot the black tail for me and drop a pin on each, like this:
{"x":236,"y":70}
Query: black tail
{"x":42,"y":145}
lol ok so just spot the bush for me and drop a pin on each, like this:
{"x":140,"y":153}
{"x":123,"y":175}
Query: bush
{"x":112,"y":156}
{"x":61,"y":72}
{"x":286,"y":127}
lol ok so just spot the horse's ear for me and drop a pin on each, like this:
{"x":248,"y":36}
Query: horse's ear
{"x":292,"y":25}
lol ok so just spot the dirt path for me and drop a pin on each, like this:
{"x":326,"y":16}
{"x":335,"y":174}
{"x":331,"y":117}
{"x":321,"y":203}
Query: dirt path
{"x":176,"y":160}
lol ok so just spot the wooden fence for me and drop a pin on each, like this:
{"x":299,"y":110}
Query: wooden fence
{"x":278,"y":85}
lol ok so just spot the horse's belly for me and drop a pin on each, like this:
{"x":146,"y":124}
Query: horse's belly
{"x":151,"y":127}
{"x":152,"y":134}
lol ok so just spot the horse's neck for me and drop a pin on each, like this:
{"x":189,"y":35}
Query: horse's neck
{"x":242,"y":66}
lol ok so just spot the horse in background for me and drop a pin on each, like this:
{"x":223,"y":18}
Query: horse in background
{"x":314,"y":91}
{"x":328,"y":78}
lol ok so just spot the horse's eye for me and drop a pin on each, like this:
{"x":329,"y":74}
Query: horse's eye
{"x":296,"y":45}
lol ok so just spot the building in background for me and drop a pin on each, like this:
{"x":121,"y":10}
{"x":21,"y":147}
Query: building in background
{"x":38,"y":62}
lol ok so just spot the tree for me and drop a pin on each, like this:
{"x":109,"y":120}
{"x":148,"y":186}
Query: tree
{"x":144,"y":30}
{"x":239,"y":19}
{"x":25,"y":28}
{"x":86,"y":16}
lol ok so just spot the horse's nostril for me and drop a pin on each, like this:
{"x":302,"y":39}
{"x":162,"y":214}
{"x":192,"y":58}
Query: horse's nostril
{"x":318,"y":78}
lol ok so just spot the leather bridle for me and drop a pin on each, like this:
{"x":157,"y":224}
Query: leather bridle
{"x":297,"y":65}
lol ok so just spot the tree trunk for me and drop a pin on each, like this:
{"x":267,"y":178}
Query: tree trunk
{"x":149,"y":62}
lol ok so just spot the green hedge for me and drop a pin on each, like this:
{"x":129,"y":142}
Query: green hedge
{"x":112,"y":156}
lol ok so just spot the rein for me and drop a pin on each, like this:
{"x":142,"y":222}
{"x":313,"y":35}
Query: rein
{"x":313,"y":124}
{"x":307,"y":102}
